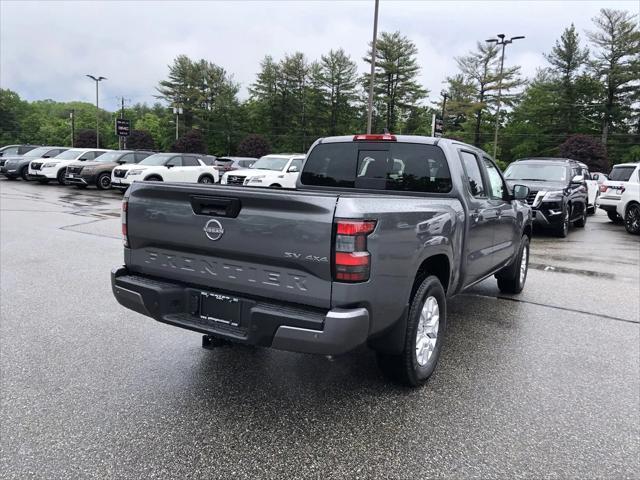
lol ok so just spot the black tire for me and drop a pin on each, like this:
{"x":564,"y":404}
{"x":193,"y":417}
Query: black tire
{"x":632,"y":219}
{"x":405,"y":368}
{"x":60,"y":176}
{"x":208,"y":179}
{"x":613,"y":216}
{"x":563,"y":230}
{"x":24,"y":173}
{"x":509,"y":278}
{"x":103,"y":182}
{"x":582,"y":221}
{"x":153,"y":178}
{"x":10,"y":178}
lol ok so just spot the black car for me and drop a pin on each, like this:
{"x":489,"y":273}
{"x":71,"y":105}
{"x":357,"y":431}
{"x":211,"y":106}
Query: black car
{"x":557,"y":191}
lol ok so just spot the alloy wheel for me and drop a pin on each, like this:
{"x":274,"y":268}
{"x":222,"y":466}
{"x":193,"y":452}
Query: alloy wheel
{"x":427,"y":332}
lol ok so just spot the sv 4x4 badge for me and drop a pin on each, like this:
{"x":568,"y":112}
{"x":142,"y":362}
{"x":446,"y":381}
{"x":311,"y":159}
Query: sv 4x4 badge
{"x":300,"y":256}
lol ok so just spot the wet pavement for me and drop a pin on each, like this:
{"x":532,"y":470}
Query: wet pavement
{"x":543,"y":384}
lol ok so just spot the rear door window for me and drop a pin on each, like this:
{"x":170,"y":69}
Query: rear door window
{"x":378,"y":166}
{"x":190,"y":161}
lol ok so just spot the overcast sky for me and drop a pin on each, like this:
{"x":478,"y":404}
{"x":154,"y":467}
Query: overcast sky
{"x":46,"y":48}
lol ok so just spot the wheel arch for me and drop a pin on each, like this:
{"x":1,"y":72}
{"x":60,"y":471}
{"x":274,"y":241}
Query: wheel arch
{"x":629,"y":204}
{"x":438,"y":265}
{"x":154,"y":175}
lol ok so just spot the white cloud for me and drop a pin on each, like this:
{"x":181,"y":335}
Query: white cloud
{"x":46,"y":48}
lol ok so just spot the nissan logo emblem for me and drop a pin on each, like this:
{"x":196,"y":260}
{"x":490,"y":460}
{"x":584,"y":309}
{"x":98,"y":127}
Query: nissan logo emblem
{"x":213,"y":230}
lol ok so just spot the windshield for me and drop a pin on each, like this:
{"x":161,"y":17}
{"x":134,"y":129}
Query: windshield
{"x":270,"y":163}
{"x":157,"y":159}
{"x":621,"y":174}
{"x":70,"y":154}
{"x":37,"y":152}
{"x":109,"y":157}
{"x":536,"y":171}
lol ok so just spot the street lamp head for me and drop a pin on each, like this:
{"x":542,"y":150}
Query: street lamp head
{"x":96,"y":79}
{"x":501,"y":36}
{"x":517,"y":38}
{"x":492,"y":40}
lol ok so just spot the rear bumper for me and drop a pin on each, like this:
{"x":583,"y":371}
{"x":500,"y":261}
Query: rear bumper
{"x":608,"y":204}
{"x":283,"y":326}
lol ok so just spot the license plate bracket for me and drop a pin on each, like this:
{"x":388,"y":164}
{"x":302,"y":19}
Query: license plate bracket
{"x":216,"y":307}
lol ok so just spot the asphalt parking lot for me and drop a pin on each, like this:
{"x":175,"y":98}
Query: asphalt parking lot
{"x":543,"y":385}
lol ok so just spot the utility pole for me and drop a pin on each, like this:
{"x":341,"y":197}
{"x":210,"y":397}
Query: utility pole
{"x":177,"y":111}
{"x":72,"y":116}
{"x":373,"y":67}
{"x":445,"y":95}
{"x":504,"y":43}
{"x":97,"y":80}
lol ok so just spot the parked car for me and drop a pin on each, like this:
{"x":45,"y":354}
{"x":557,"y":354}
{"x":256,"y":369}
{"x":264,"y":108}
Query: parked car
{"x":54,"y":168}
{"x":98,"y":172}
{"x":13,"y":167}
{"x":557,"y":191}
{"x":227,"y":164}
{"x":208,"y":159}
{"x":15,"y":150}
{"x":599,"y":177}
{"x":593,"y":188}
{"x":169,"y":167}
{"x":628,"y":207}
{"x":276,"y":171}
{"x":346,"y":259}
{"x":612,"y":189}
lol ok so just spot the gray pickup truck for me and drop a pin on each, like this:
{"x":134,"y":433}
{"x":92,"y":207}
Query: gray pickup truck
{"x":380,"y":230}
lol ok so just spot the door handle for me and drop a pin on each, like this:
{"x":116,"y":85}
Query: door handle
{"x":477,"y":216}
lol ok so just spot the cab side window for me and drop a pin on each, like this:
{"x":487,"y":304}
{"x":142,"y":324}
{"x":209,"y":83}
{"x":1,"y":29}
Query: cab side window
{"x":128,"y":158}
{"x":496,"y":183}
{"x":87,"y":156}
{"x":473,"y":173}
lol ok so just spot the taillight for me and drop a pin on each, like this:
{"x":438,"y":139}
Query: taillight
{"x":352,"y":261}
{"x":375,"y":137}
{"x":123,"y":217}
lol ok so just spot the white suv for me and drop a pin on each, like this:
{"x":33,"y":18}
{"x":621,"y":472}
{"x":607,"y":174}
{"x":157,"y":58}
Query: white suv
{"x":44,"y":170}
{"x":612,"y":189}
{"x":275,"y":170}
{"x":167,"y":167}
{"x":629,"y":205}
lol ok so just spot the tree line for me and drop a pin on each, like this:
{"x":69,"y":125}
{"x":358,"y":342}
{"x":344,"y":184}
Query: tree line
{"x":585,"y":100}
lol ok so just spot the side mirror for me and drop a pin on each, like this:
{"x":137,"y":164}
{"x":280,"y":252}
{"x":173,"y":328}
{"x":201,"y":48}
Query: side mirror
{"x":578,"y":179}
{"x":520,"y":192}
{"x":121,"y":162}
{"x":169,"y":165}
{"x":293,"y":169}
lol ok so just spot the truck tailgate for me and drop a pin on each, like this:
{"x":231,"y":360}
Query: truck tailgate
{"x":267,"y":243}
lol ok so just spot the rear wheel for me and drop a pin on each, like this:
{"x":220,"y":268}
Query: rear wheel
{"x":613,"y":216}
{"x":24,"y":173}
{"x":426,"y":323}
{"x":60,"y":176}
{"x":512,"y":278}
{"x":632,"y":219}
{"x":205,"y":179}
{"x":104,"y":181}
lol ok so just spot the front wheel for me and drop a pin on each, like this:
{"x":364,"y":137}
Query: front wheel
{"x":60,"y":176}
{"x":426,"y":324}
{"x":563,"y":229}
{"x":632,"y":219}
{"x":512,"y":278}
{"x":205,"y":179}
{"x":582,"y":221}
{"x":104,"y":181}
{"x":24,"y":173}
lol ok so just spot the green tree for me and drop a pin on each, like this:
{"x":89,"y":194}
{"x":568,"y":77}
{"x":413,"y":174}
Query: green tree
{"x":338,"y":81}
{"x":617,"y":64}
{"x":396,"y":87}
{"x":567,"y":59}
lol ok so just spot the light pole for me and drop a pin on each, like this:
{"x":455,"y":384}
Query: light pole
{"x":373,"y":67}
{"x":445,"y":95}
{"x":177,"y":110}
{"x":97,"y":80}
{"x":504,"y":42}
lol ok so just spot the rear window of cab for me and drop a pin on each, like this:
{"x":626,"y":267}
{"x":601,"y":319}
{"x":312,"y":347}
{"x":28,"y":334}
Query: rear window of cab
{"x":391,"y":166}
